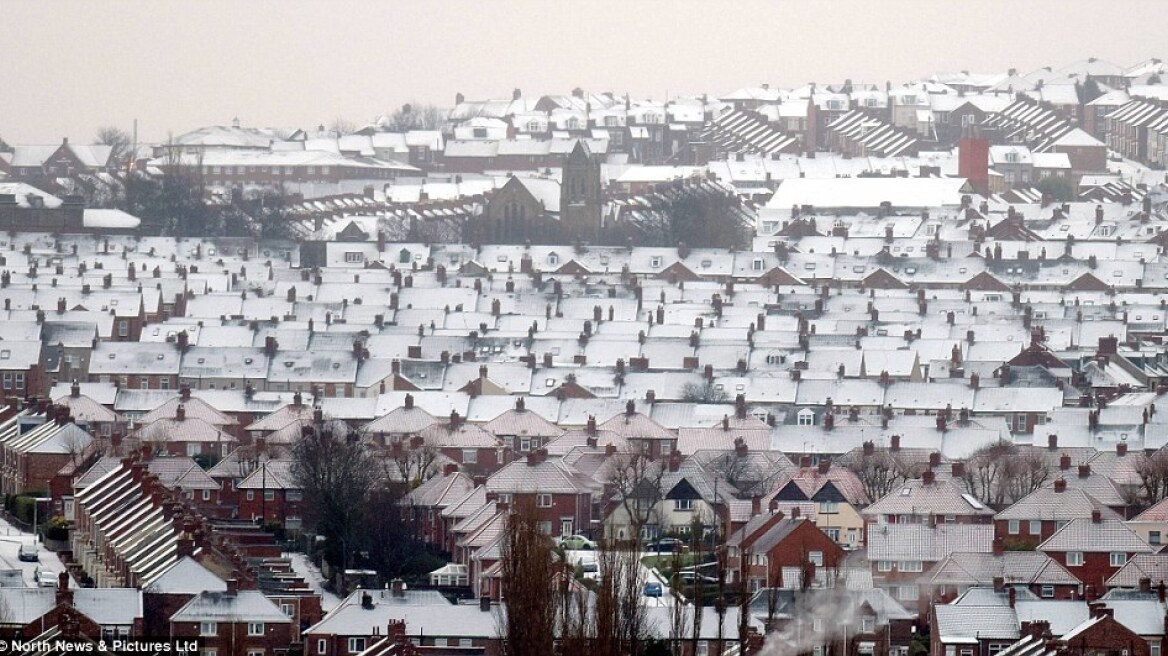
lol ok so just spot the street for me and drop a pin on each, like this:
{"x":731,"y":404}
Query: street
{"x":10,"y":540}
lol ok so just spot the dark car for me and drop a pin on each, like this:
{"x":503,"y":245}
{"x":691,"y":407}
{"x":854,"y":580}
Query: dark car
{"x":653,"y":589}
{"x":665,"y":545}
{"x":28,"y":553}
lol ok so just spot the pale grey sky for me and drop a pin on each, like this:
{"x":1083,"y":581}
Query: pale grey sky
{"x":68,"y":67}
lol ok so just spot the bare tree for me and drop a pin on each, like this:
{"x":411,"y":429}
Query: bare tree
{"x":117,"y":139}
{"x":881,"y":472}
{"x":342,"y":126}
{"x":528,"y":569}
{"x":338,"y":474}
{"x":414,"y":460}
{"x":621,"y":619}
{"x":1152,"y":470}
{"x":999,"y":474}
{"x":636,"y":482}
{"x":704,"y":392}
{"x":415,"y":116}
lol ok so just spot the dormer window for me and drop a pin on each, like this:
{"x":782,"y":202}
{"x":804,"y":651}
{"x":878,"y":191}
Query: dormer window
{"x":806,"y":418}
{"x":655,"y":261}
{"x":757,"y":264}
{"x":553,"y":258}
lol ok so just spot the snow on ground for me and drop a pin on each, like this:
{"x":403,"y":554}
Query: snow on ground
{"x":311,"y":574}
{"x":10,"y":540}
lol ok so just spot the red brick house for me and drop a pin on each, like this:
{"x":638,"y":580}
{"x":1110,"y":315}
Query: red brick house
{"x":1094,"y":549}
{"x":235,"y":622}
{"x":772,"y":550}
{"x":1036,"y":517}
{"x":560,"y":496}
{"x":271,"y":492}
{"x":94,"y":612}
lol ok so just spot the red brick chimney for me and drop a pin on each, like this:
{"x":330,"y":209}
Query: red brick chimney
{"x":1096,"y":516}
{"x":1060,"y":484}
{"x":928,"y":477}
{"x":1064,"y":462}
{"x":894,"y":443}
{"x":1084,"y":470}
{"x":1052,"y":442}
{"x":755,"y":505}
{"x":824,"y":466}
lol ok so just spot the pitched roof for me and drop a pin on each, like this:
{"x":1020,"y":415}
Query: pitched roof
{"x":1087,"y":535}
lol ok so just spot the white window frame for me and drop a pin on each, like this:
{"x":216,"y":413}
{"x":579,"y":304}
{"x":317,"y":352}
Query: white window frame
{"x":1035,"y":527}
{"x":208,"y":629}
{"x":1074,"y":559}
{"x":1117,"y":558}
{"x":255,"y":629}
{"x":356,"y":645}
{"x":1014,"y":527}
{"x":543,"y":500}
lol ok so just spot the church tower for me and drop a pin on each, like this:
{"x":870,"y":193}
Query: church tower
{"x":581,"y":200}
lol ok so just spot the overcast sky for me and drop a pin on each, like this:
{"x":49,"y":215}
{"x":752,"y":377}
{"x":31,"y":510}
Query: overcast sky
{"x":68,"y":67}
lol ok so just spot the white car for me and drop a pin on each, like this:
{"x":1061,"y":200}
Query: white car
{"x":46,"y":578}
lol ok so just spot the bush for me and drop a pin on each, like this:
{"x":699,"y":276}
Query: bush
{"x":56,"y":528}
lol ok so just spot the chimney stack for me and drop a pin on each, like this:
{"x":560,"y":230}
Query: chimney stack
{"x":1060,"y":485}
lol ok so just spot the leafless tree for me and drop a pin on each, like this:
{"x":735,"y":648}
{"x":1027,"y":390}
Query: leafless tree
{"x":413,"y":461}
{"x":529,"y":625}
{"x":636,"y":482}
{"x":679,"y":616}
{"x":415,"y":116}
{"x":881,"y":472}
{"x":1152,"y":470}
{"x":338,"y":474}
{"x":118,"y":141}
{"x":342,"y":126}
{"x":621,"y":619}
{"x":704,"y":392}
{"x":999,"y":474}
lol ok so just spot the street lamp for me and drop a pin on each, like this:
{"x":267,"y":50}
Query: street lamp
{"x":36,"y":505}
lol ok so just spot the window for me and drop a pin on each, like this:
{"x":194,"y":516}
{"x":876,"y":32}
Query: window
{"x":288,"y":609}
{"x":208,"y":629}
{"x":7,"y":381}
{"x":269,"y":495}
{"x":683,"y":504}
{"x":255,"y":652}
{"x":251,"y":495}
{"x":144,"y":383}
{"x":1118,"y":559}
{"x":1035,"y":527}
{"x":815,"y":558}
{"x":833,"y":533}
{"x":828,"y":508}
{"x":470,"y":456}
{"x":354,"y":257}
{"x":293,"y":495}
{"x":911,"y":566}
{"x":757,"y":264}
{"x":544,"y":528}
{"x":206,"y":495}
{"x":1048,"y":592}
{"x":867,"y":624}
{"x":356,"y":645}
{"x":806,"y":418}
{"x":1153,"y":537}
{"x":907,"y":593}
{"x":20,"y":380}
{"x":255,"y":628}
{"x":1014,"y":527}
{"x":543,"y":501}
{"x":884,"y":566}
{"x":1074,"y":559}
{"x":655,"y":261}
{"x":123,"y":328}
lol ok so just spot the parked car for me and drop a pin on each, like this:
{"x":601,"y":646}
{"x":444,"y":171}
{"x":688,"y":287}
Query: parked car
{"x":575,"y":543}
{"x":689,"y":577}
{"x":46,"y":578}
{"x":665,"y":545}
{"x":591,"y":570}
{"x":28,"y":552}
{"x":653,"y":589}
